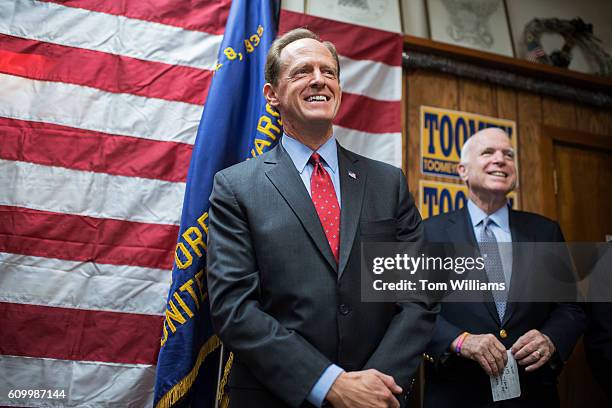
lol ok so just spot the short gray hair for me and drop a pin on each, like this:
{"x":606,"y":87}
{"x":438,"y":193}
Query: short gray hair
{"x":466,"y":150}
{"x":467,"y":146}
{"x":273,"y":63}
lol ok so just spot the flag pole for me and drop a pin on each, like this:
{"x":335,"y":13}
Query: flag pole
{"x":219,"y":377}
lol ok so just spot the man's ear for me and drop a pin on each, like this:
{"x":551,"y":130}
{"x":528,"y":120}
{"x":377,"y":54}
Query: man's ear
{"x":270,"y":95}
{"x":463,"y":172}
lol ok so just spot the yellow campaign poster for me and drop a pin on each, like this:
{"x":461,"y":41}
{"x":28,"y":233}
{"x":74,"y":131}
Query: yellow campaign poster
{"x":443,"y":133}
{"x":437,"y":197}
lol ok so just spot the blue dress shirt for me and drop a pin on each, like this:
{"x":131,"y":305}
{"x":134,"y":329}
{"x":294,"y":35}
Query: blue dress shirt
{"x":300,"y":155}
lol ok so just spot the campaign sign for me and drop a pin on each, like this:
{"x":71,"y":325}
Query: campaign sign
{"x":436,"y":197}
{"x":443,"y":133}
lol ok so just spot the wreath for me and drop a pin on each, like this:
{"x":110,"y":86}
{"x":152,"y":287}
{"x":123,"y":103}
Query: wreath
{"x":574,"y":32}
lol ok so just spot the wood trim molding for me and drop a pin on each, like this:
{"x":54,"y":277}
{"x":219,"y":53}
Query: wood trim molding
{"x":547,"y":189}
{"x":574,"y":137}
{"x":550,"y":135}
{"x":514,"y":65}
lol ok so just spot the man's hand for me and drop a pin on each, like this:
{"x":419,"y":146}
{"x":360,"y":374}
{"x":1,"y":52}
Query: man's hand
{"x":533,"y":349}
{"x":486,"y":350}
{"x":367,"y":389}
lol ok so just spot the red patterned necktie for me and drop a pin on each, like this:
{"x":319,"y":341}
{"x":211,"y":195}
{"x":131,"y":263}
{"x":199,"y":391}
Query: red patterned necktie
{"x":326,"y":203}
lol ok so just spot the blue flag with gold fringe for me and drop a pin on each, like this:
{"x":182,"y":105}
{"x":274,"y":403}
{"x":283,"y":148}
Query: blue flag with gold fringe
{"x":236,"y":124}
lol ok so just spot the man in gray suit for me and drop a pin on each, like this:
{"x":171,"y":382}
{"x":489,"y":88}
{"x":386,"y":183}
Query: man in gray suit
{"x":284,"y":245}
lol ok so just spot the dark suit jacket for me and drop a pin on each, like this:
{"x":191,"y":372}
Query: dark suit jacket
{"x":598,"y":336}
{"x":278,"y":299}
{"x":598,"y":345}
{"x":456,"y":381}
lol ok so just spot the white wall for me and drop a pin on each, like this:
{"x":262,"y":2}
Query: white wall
{"x":415,"y":18}
{"x":520,"y":12}
{"x":293,"y":5}
{"x":596,"y":12}
{"x":380,"y":14}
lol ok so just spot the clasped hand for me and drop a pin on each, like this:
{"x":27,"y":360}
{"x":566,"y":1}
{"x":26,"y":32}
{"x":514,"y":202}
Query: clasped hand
{"x":364,"y":389}
{"x":533,"y":350}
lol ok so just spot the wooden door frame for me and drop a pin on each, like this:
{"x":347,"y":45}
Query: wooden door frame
{"x":550,"y":135}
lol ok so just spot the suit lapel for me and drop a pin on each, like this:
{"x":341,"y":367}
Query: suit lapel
{"x":460,"y":230}
{"x":287,"y":181}
{"x":352,"y":184}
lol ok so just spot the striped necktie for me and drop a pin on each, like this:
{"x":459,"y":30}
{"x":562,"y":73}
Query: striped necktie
{"x":493,"y":265}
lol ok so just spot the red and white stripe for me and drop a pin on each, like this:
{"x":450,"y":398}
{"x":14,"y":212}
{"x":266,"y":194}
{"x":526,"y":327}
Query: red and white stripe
{"x":369,"y":120}
{"x":99,"y":107}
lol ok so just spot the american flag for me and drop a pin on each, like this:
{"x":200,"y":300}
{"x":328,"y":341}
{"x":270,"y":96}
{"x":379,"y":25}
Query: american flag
{"x":535,"y":52}
{"x":369,"y":120}
{"x":99,"y":108}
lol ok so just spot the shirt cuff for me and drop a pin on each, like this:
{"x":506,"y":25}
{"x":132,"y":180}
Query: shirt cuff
{"x":322,"y":386}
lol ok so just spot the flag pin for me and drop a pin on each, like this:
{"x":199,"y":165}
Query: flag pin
{"x":352,"y":175}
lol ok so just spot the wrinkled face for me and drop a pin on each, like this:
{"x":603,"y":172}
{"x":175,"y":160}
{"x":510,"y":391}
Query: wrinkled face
{"x":308,"y":89}
{"x":490,"y":166}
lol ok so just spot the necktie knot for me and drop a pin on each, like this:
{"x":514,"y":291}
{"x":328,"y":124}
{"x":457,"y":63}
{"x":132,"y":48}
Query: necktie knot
{"x":487,"y":222}
{"x":315,"y":159}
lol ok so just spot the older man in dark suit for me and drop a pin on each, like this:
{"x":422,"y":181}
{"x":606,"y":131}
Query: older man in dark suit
{"x":470,"y":339}
{"x":284,"y":255}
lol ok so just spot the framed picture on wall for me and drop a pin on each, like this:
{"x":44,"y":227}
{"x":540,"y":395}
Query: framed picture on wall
{"x":381,"y":14}
{"x":478,"y":24}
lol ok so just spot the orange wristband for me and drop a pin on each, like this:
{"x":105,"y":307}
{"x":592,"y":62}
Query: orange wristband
{"x":460,"y":342}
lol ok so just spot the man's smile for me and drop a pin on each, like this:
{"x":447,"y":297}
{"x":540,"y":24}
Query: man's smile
{"x":498,"y":173}
{"x":317,"y":98}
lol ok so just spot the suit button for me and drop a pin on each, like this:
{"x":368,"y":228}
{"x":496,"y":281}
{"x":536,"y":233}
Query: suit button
{"x":344,"y":309}
{"x":503,"y":333}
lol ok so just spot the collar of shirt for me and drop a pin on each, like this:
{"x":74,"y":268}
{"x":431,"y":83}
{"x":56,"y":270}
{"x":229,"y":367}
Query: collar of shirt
{"x":501,"y":217}
{"x":300,"y":154}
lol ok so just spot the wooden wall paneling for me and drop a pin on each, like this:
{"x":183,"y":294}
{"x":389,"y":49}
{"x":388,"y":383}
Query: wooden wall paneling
{"x":506,"y":102}
{"x":582,"y":169}
{"x":579,"y":138}
{"x":529,"y":119}
{"x":557,"y":112}
{"x":413,"y":150}
{"x":431,"y":89}
{"x":583,"y":178}
{"x":545,"y":151}
{"x":404,"y":121}
{"x":593,"y":120}
{"x":515,"y":65}
{"x":506,"y":105}
{"x":477,"y":97}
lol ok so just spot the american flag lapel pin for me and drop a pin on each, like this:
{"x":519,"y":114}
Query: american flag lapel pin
{"x":352,"y":175}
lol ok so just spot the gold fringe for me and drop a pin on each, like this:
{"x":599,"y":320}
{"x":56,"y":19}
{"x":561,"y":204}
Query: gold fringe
{"x":221,"y":386}
{"x":184,"y":385}
{"x":224,"y":402}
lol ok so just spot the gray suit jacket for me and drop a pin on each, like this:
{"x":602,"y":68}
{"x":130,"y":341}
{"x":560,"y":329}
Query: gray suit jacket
{"x":278,"y":299}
